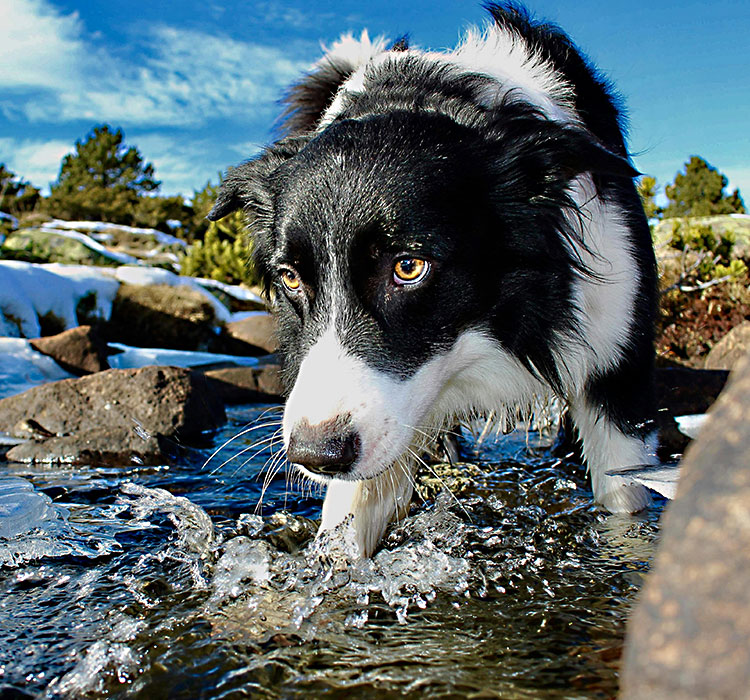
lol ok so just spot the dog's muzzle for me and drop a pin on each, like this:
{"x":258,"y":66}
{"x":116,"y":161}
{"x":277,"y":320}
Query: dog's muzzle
{"x":329,"y":448}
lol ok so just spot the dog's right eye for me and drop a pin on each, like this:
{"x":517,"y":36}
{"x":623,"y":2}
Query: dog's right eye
{"x":290,"y":279}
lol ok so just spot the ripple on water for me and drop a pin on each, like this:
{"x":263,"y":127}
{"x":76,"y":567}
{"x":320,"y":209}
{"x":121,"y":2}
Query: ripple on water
{"x":516,"y":588}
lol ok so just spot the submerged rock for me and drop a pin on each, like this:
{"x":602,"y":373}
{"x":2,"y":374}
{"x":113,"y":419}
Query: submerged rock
{"x":112,"y":417}
{"x":690,"y":634}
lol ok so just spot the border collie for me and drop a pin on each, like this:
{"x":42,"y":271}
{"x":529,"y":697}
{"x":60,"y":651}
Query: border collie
{"x":449,"y":234}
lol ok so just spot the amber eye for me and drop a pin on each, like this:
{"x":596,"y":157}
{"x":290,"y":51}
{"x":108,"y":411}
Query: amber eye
{"x":290,"y":280}
{"x":410,"y":270}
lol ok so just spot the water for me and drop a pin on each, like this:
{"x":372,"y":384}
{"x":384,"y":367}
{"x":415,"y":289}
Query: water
{"x":164,"y":583}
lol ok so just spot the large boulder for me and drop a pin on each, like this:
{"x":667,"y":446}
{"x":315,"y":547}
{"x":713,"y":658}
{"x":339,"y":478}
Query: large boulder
{"x":689,"y":636}
{"x":731,"y":348}
{"x":112,"y":417}
{"x":45,"y":246}
{"x":78,"y":350}
{"x":161,"y":316}
{"x":171,"y":316}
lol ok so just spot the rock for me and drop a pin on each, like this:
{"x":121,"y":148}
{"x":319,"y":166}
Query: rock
{"x":78,"y":350}
{"x":234,"y":385}
{"x":174,"y":317}
{"x":258,"y":329}
{"x":689,"y":636}
{"x":737,"y":225}
{"x":44,"y":246}
{"x":731,"y":348}
{"x":96,"y":447}
{"x":161,"y":316}
{"x":113,"y":416}
{"x":682,"y":391}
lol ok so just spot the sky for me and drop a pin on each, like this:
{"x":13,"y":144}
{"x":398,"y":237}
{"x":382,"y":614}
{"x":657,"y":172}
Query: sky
{"x":195,"y":84}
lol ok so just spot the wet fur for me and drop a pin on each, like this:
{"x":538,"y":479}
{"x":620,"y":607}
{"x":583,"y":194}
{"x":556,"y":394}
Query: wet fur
{"x":504,"y":164}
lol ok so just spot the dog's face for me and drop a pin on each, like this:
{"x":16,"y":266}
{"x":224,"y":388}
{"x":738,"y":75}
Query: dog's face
{"x":403,"y":250}
{"x":374,"y":287}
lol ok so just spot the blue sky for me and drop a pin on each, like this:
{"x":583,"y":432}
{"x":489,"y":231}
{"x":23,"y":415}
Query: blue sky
{"x":194,"y":84}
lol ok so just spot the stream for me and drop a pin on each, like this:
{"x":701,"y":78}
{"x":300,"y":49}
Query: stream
{"x":170,"y":582}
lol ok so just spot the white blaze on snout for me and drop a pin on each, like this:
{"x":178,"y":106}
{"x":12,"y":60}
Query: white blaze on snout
{"x":333,"y":384}
{"x":383,"y":410}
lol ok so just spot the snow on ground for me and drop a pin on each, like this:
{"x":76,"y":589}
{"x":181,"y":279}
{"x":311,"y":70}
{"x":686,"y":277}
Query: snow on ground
{"x":233,"y":290}
{"x":90,"y":243}
{"x":132,"y":357}
{"x":22,"y":367}
{"x":155,"y":275}
{"x":9,"y":217}
{"x":28,"y":291}
{"x":101,"y":226}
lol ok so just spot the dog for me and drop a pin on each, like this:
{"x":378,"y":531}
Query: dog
{"x":445,"y":235}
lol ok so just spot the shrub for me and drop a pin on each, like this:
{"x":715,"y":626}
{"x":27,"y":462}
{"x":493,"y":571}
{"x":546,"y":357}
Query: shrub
{"x":223,"y":254}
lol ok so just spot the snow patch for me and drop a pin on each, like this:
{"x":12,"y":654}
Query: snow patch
{"x":131,"y":357}
{"x":22,"y":367}
{"x":90,"y":243}
{"x":9,"y":217}
{"x":28,"y":291}
{"x":102,"y":227}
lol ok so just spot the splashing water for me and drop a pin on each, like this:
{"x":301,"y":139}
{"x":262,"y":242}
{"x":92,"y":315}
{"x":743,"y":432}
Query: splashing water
{"x":164,"y":583}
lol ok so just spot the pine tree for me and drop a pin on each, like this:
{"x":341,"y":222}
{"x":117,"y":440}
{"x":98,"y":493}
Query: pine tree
{"x":103,"y":180}
{"x":647,"y":188}
{"x":16,"y":195}
{"x":699,"y":191}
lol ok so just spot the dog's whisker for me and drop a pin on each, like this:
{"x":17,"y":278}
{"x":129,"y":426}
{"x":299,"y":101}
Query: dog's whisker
{"x":244,"y":450}
{"x":245,"y":431}
{"x":254,"y":455}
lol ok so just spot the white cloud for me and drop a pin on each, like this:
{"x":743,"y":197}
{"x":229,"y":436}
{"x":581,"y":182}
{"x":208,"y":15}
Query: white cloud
{"x":37,"y":161}
{"x":53,"y":73}
{"x":181,"y":166}
{"x":39,"y":47}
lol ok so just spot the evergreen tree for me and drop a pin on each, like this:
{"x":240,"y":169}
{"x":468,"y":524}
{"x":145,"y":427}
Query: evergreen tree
{"x":647,"y":189}
{"x":699,"y":191}
{"x":16,"y":195}
{"x":103,"y":180}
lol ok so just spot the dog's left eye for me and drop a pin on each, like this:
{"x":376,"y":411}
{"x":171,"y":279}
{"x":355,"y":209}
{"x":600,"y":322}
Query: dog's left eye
{"x":410,"y":270}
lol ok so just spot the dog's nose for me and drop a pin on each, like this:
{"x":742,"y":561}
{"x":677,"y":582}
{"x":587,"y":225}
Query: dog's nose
{"x":327,"y":449}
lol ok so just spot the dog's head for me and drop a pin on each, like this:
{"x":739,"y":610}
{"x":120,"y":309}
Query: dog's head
{"x":401,"y":250}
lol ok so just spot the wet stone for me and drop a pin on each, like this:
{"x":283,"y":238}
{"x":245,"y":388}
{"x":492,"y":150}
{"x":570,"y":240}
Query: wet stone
{"x":690,"y":634}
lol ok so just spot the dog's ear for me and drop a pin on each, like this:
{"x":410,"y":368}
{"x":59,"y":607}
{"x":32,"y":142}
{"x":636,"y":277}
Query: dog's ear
{"x":581,"y":152}
{"x":246,"y":186}
{"x":534,"y":159}
{"x":307,"y":100}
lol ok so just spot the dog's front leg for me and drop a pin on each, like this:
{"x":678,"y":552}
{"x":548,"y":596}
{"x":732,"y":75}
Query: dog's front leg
{"x":605,"y":447}
{"x":372,"y":503}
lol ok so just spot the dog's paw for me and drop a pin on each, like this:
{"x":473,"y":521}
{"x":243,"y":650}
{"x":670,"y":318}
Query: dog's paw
{"x":619,"y":496}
